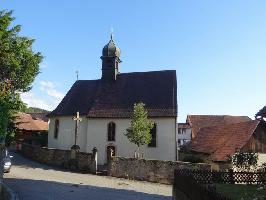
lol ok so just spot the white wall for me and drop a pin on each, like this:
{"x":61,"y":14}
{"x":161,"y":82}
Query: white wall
{"x":66,"y":133}
{"x":261,"y":158}
{"x":97,"y":137}
{"x":93,"y":133}
{"x":183,"y":135}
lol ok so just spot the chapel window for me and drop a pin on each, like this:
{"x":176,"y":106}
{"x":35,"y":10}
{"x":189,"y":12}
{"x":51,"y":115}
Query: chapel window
{"x":111,"y":131}
{"x":153,"y":137}
{"x":56,"y":129}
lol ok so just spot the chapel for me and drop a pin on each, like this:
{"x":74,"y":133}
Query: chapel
{"x":105,"y":106}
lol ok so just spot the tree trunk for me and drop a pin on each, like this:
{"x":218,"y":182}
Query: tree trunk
{"x":138,"y":155}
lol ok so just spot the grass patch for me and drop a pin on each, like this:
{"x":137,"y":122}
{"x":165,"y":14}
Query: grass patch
{"x":242,"y":192}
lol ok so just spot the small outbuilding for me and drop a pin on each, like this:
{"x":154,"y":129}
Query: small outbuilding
{"x":31,"y":128}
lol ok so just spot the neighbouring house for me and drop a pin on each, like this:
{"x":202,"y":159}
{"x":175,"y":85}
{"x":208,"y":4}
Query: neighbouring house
{"x":215,"y":144}
{"x":105,"y":106}
{"x":201,"y":121}
{"x":31,"y":128}
{"x":184,"y":132}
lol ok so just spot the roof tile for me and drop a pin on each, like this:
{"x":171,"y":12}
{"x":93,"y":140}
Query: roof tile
{"x":200,"y":121}
{"x":25,"y":121}
{"x":223,"y":140}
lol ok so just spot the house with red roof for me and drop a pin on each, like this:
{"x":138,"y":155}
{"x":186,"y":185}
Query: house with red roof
{"x":216,"y":140}
{"x":31,"y":128}
{"x":200,"y":121}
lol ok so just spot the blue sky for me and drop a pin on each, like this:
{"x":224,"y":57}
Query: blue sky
{"x":218,"y":48}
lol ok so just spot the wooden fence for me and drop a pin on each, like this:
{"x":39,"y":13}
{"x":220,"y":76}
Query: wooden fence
{"x":186,"y":188}
{"x":209,"y":177}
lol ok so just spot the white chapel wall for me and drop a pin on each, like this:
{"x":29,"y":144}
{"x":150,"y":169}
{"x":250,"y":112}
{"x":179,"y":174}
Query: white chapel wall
{"x":66,"y":132}
{"x":97,"y":137}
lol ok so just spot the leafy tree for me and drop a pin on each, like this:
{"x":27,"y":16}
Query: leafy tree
{"x":244,"y":160}
{"x":261,"y":115}
{"x":19,"y":66}
{"x":34,"y":110}
{"x":140,"y":126}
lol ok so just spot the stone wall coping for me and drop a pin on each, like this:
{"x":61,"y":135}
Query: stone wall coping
{"x":166,"y":161}
{"x":84,"y":153}
{"x":47,"y":148}
{"x":151,"y":170}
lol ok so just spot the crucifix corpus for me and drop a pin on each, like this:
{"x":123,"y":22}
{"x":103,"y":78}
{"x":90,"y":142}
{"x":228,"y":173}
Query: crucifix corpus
{"x":77,"y":119}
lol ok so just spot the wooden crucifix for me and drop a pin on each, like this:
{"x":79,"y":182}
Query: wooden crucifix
{"x":77,"y":119}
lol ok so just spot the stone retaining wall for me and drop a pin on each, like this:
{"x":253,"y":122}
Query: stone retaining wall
{"x":149,"y":170}
{"x":84,"y":162}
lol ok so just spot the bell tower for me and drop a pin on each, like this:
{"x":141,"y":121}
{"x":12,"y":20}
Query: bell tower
{"x":110,"y":61}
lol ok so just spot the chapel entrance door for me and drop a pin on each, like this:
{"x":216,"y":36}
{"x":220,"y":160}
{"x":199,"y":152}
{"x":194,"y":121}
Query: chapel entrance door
{"x":109,"y":150}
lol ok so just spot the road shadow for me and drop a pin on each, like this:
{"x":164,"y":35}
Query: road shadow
{"x":19,"y":160}
{"x":49,"y":190}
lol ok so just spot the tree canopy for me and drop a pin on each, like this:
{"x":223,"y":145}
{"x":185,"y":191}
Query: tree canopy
{"x":244,"y":160}
{"x":19,"y":65}
{"x":261,"y":115}
{"x":34,"y":110}
{"x":140,"y":126}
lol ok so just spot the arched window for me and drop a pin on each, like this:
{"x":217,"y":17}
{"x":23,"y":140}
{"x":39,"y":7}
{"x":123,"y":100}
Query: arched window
{"x":153,"y":136}
{"x":111,"y":131}
{"x":56,"y":128}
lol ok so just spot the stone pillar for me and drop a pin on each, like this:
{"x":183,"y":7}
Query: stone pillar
{"x":74,"y":150}
{"x":94,"y":160}
{"x":73,"y":162}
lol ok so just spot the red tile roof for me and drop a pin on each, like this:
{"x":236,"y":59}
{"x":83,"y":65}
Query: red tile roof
{"x":25,"y":121}
{"x":223,"y":140}
{"x":200,"y":121}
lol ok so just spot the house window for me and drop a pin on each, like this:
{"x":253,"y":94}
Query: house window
{"x":153,"y":137}
{"x":56,"y":128}
{"x":111,"y":131}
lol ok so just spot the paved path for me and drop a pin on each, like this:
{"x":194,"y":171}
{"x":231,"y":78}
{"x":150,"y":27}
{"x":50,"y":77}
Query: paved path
{"x":32,"y":180}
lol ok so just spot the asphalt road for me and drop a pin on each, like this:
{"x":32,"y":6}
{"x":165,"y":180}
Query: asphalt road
{"x":32,"y":180}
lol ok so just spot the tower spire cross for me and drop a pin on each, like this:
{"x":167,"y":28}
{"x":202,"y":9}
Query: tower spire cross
{"x":77,"y":73}
{"x":112,"y":33}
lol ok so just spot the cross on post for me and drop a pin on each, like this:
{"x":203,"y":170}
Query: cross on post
{"x":77,"y":119}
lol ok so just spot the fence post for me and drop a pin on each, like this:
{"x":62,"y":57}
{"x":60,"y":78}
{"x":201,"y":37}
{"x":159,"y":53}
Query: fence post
{"x":231,"y":175}
{"x":94,"y":160}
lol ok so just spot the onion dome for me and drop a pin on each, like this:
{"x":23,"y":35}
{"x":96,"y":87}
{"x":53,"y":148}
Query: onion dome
{"x":111,"y":50}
